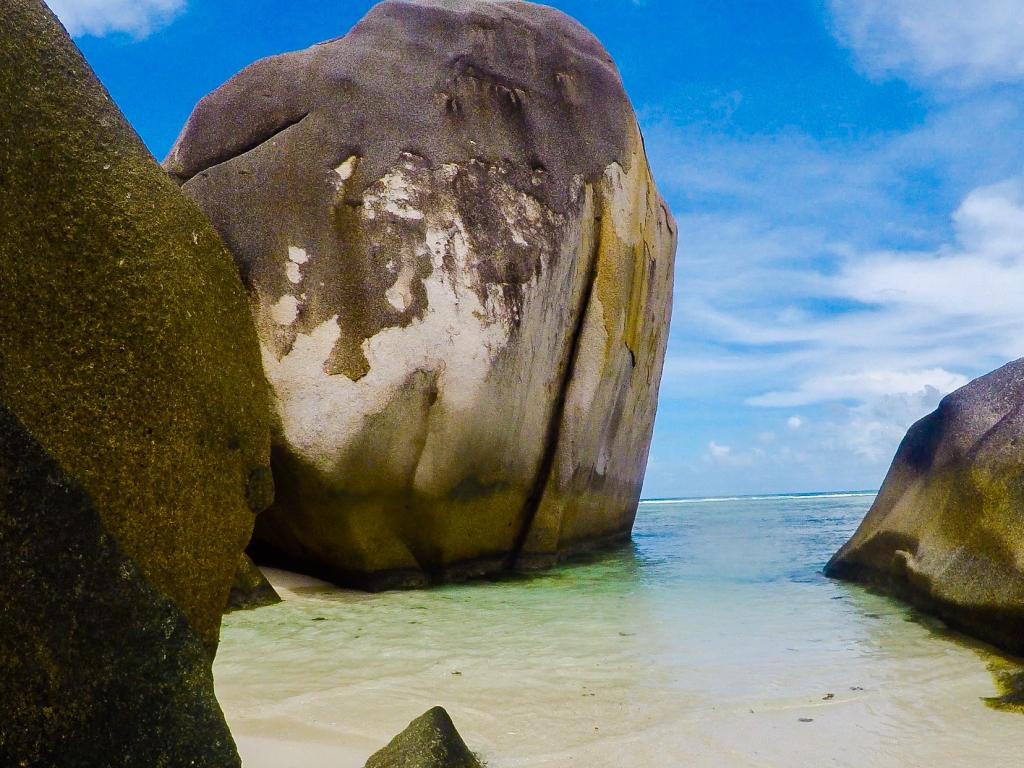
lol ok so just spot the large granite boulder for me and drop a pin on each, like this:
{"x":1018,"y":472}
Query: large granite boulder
{"x":127,"y":349}
{"x":461,"y":274}
{"x":947,"y":529}
{"x":134,"y":428}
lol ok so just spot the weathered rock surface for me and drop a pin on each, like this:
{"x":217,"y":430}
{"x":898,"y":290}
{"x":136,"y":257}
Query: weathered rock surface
{"x":947,"y":529}
{"x":430,"y":741}
{"x":250,"y":589}
{"x":97,"y":667}
{"x":461,"y":275}
{"x":127,"y":350}
{"x":134,"y":429}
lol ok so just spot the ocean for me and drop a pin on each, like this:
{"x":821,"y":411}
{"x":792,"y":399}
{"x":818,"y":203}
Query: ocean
{"x":713,"y":639}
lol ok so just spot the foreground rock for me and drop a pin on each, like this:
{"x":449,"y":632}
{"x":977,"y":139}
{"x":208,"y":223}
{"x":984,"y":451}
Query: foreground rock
{"x":135,"y":436}
{"x":430,"y":741}
{"x":127,"y":350}
{"x":250,"y":589}
{"x":947,"y":531}
{"x":97,"y":667}
{"x":461,"y":274}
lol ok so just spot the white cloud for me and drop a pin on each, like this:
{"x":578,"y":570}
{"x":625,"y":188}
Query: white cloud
{"x":138,"y":18}
{"x":873,"y":429}
{"x":977,"y":278}
{"x":794,"y":422}
{"x":717,"y":451}
{"x":862,"y":387}
{"x":856,"y":281}
{"x":950,"y":42}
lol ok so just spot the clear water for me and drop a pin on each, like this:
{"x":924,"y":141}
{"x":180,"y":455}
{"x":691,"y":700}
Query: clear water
{"x":712,"y":640}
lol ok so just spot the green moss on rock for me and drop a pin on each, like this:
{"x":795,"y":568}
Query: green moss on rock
{"x":1009,"y":680}
{"x":128,"y":350}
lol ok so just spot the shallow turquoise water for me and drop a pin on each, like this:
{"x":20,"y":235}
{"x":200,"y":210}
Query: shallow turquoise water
{"x":713,"y":639}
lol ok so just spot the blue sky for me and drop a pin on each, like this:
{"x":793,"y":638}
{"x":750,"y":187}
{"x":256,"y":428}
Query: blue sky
{"x":848,"y":177}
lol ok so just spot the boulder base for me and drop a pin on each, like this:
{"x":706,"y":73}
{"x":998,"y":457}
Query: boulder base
{"x":250,"y":589}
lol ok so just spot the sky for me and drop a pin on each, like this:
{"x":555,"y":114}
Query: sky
{"x":847,"y":176}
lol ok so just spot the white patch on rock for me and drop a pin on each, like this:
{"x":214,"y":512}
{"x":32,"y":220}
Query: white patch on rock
{"x":296,"y":258}
{"x":457,"y":339}
{"x":627,"y":193}
{"x":590,"y":359}
{"x":347,"y":168}
{"x":285,"y":310}
{"x":399,"y":295}
{"x":393,"y":194}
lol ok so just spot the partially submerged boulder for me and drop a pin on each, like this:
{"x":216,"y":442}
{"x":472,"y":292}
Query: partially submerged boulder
{"x":947,"y":529}
{"x":461,"y":274}
{"x":430,"y":741}
{"x":127,"y":348}
{"x":250,"y":589}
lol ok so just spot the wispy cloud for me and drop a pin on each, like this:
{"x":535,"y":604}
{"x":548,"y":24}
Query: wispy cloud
{"x":948,"y":42}
{"x":138,"y":18}
{"x":850,"y":283}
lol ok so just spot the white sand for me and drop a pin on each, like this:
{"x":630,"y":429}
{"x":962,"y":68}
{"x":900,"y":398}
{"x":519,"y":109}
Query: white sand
{"x":713,"y":643}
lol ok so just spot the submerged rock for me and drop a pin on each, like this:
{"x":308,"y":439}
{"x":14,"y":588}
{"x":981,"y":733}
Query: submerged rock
{"x":97,"y":667}
{"x":430,"y":741}
{"x":127,"y":349}
{"x":250,"y":588}
{"x":461,"y":274}
{"x":947,"y":530}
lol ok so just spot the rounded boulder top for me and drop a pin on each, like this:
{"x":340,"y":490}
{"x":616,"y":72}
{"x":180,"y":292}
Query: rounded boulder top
{"x":447,"y":80}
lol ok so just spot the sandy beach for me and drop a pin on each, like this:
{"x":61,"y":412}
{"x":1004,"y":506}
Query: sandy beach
{"x":660,"y":654}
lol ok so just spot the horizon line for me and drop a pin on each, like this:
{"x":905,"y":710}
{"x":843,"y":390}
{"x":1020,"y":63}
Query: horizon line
{"x":763,"y":496}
